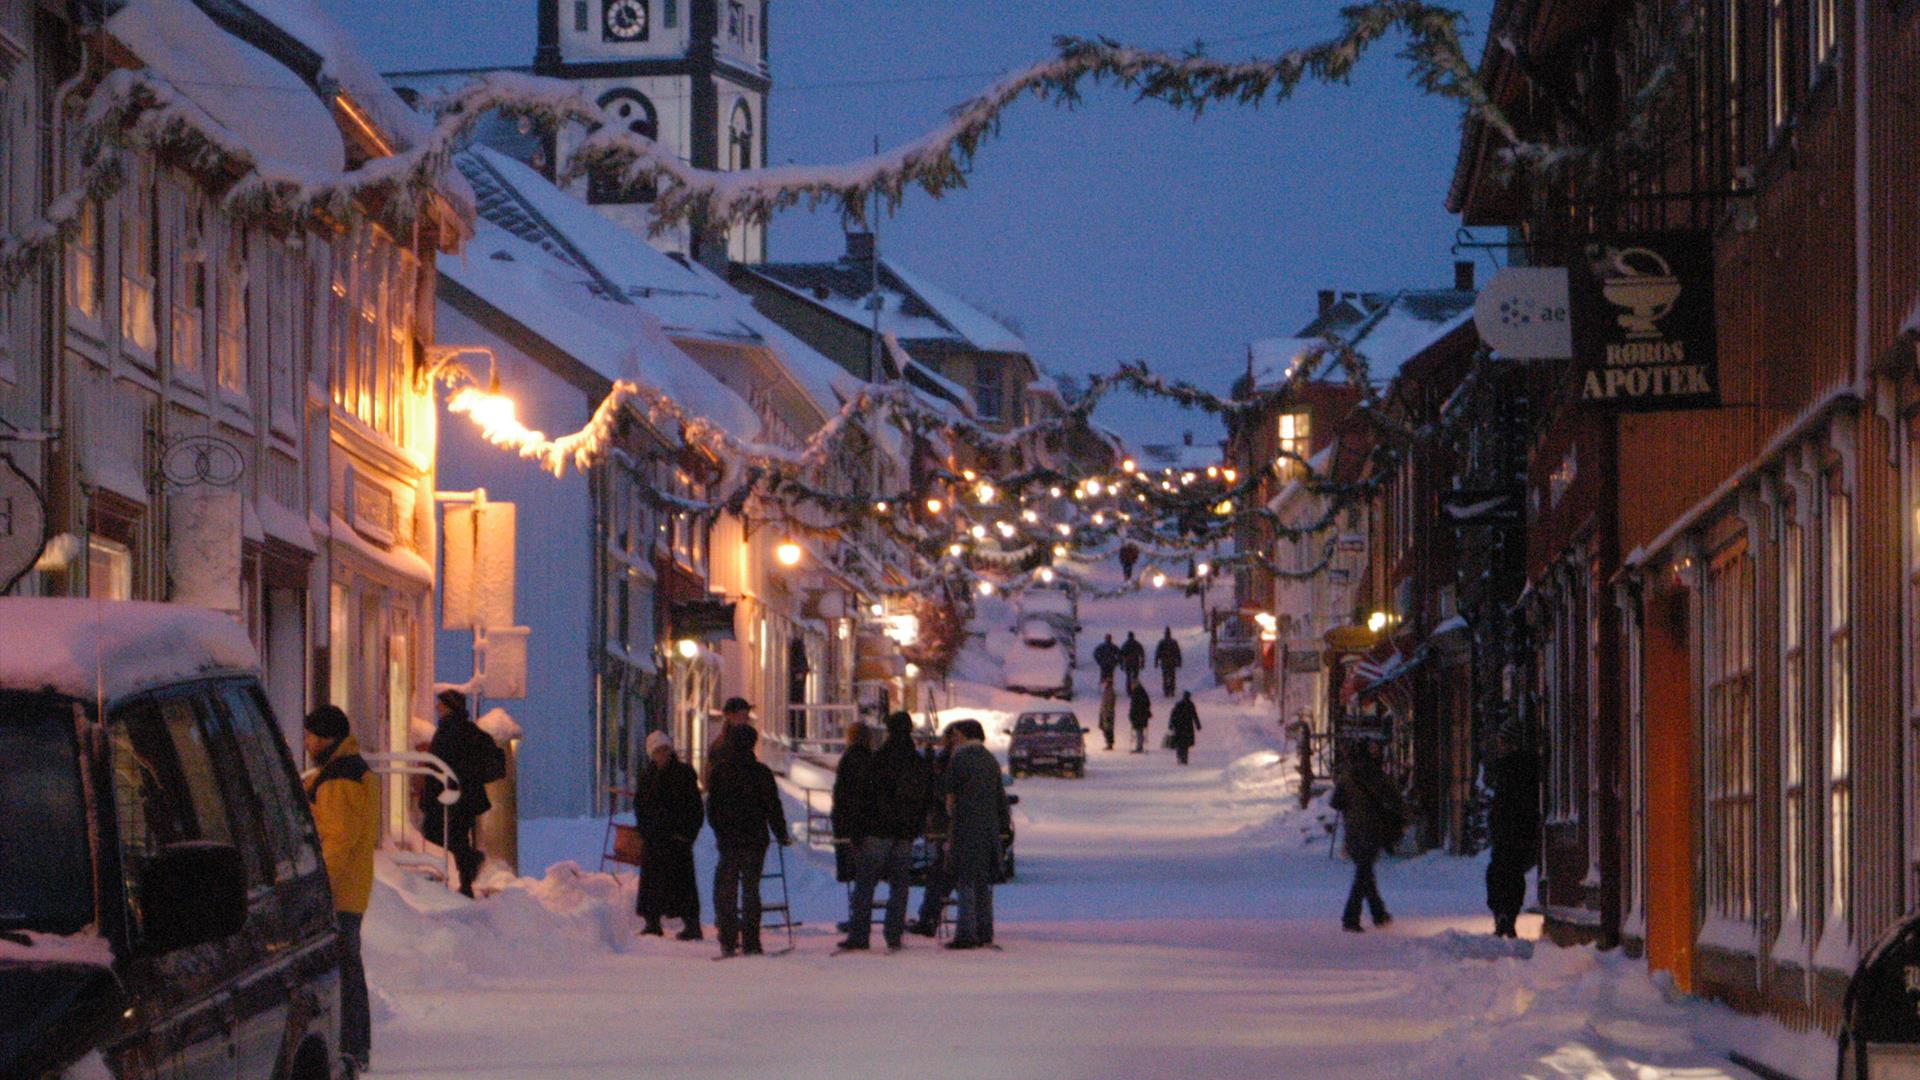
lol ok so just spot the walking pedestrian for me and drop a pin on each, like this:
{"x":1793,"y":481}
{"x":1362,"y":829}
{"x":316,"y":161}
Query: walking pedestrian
{"x":345,"y":801}
{"x":667,"y":810}
{"x":900,"y":785}
{"x":1166,"y":657}
{"x":1106,"y":710}
{"x":1129,"y":555}
{"x":1365,"y":795}
{"x":1106,"y":656}
{"x":735,"y":713}
{"x":1182,"y":724}
{"x":1133,"y":658}
{"x":1139,"y":714}
{"x":851,"y":812}
{"x":743,"y":806}
{"x":933,"y":899}
{"x":979,"y":816}
{"x":475,"y":761}
{"x":1513,"y":827}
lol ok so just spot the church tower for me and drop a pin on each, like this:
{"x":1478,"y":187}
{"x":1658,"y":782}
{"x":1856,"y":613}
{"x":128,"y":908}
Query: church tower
{"x":689,"y":74}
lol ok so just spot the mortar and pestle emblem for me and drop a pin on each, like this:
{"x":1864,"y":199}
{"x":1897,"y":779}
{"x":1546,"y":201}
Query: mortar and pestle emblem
{"x":1643,"y":284}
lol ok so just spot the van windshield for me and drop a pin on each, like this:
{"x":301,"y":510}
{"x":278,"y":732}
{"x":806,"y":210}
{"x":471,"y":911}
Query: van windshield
{"x":46,"y":879}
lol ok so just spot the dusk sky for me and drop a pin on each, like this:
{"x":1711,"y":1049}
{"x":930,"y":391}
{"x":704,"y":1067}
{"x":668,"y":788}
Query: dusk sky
{"x":1111,"y":232}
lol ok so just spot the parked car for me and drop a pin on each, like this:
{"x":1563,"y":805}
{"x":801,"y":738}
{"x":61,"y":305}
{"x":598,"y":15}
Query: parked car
{"x":1038,"y":663}
{"x":1047,"y":742}
{"x":163,"y":908}
{"x":1056,"y":603}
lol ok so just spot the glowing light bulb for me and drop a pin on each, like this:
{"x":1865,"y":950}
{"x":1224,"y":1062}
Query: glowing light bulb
{"x":1005,"y":529}
{"x":956,"y":549}
{"x":979,"y":532}
{"x":1029,"y":516}
{"x":1186,"y":478}
{"x":1203,"y":570}
{"x":934,"y":506}
{"x":880,"y":507}
{"x":688,"y":648}
{"x":1128,"y":466}
{"x":1064,"y":529}
{"x":1054,"y":491}
{"x":1377,"y":621}
{"x":1159,"y":580}
{"x":1059,"y":551}
{"x":1099,"y":519}
{"x":877,"y":610}
{"x":1232,"y":475}
{"x":1046,"y":573}
{"x":986,"y":494}
{"x":1225,"y":507}
{"x":788,"y":553}
{"x":1093,"y":487}
{"x":912,"y":670}
{"x":986,"y":588}
{"x":969,"y":475}
{"x":1213,"y":471}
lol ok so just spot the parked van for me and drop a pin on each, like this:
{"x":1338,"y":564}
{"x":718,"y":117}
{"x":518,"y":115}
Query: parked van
{"x":163,"y":908}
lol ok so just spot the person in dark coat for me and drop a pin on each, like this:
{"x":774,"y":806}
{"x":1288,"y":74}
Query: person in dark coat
{"x":1365,"y":795}
{"x":666,"y":808}
{"x":475,"y":761}
{"x":1513,"y":827}
{"x":851,"y":812}
{"x":1139,"y":714}
{"x":1182,"y":723}
{"x":980,"y":818}
{"x":743,"y":806}
{"x":1106,"y":656}
{"x":1166,"y":657}
{"x":899,"y":786}
{"x":1133,"y":659}
{"x":939,"y":886}
{"x":1106,"y":711}
{"x":735,"y":713}
{"x":1129,"y":555}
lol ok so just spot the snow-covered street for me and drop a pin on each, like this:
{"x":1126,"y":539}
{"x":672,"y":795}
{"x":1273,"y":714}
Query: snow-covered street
{"x":1165,"y":922}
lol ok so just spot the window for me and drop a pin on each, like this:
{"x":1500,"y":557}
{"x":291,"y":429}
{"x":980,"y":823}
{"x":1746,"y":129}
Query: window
{"x":1838,"y":733}
{"x":189,"y":288}
{"x":1727,"y":642}
{"x":740,"y":137}
{"x":86,"y":255}
{"x":1823,"y":34}
{"x":1636,"y":766}
{"x":109,"y":569}
{"x":287,"y":314}
{"x":987,"y":398}
{"x":736,"y":15}
{"x":1793,"y":718}
{"x":139,"y":260}
{"x":579,"y":16}
{"x":1293,"y":440}
{"x":635,"y":111}
{"x":272,"y":781}
{"x":1780,"y":80}
{"x":234,"y":320}
{"x":670,"y":13}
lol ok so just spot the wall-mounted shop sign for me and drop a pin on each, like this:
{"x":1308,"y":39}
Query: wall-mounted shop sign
{"x":23,"y":523}
{"x":1523,"y":313}
{"x":702,"y":620}
{"x":1643,"y":323}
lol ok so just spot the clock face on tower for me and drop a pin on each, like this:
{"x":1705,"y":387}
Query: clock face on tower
{"x":623,"y":20}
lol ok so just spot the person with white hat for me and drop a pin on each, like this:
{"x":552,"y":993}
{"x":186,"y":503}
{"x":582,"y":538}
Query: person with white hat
{"x":666,"y":807}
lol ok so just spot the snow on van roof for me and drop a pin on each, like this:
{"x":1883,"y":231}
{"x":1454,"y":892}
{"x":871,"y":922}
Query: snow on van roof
{"x":113,"y":647}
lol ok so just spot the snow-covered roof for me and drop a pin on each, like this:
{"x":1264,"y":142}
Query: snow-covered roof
{"x":262,"y":101}
{"x":1389,"y":329}
{"x":911,"y":307}
{"x":690,"y":302}
{"x":342,"y":63}
{"x":113,"y":647}
{"x":554,"y":300}
{"x":1195,"y":455}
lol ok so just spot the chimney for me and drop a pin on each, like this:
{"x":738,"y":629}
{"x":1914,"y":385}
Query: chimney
{"x":1463,"y":276}
{"x":1326,"y":301}
{"x":1189,"y":437}
{"x":860,"y":247}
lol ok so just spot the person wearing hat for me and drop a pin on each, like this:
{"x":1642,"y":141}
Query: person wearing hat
{"x":667,"y":809}
{"x":735,"y":713}
{"x":743,"y":806}
{"x":345,"y":800}
{"x":475,"y":761}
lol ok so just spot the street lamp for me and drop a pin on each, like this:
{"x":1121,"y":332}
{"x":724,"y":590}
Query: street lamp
{"x":788,"y":553}
{"x":986,"y":588}
{"x":912,"y":670}
{"x":688,"y":648}
{"x":1159,"y":580}
{"x":1377,"y":621}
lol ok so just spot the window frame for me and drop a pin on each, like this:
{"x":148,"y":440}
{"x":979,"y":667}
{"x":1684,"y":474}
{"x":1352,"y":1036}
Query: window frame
{"x":1727,"y":721}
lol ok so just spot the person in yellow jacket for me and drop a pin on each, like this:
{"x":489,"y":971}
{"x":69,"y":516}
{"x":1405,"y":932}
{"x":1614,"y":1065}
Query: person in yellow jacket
{"x":346,"y":812}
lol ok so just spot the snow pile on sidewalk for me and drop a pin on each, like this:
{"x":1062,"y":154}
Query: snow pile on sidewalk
{"x":418,"y":931}
{"x":1581,"y":1012}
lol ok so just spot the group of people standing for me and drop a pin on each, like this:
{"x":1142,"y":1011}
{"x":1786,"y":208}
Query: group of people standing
{"x":742,"y":806}
{"x":1130,"y":658}
{"x":887,"y":797}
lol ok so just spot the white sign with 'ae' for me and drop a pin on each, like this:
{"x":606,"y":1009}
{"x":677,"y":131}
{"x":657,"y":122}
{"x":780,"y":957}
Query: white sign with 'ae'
{"x":1523,"y":313}
{"x":23,"y":523}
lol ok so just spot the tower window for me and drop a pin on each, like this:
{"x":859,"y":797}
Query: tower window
{"x":579,"y":16}
{"x":670,"y":13}
{"x":631,"y":108}
{"x":736,"y":14}
{"x":740,"y":137}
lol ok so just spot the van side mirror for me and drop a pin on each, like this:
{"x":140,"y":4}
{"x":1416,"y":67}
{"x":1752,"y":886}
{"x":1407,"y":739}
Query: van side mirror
{"x":192,"y":893}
